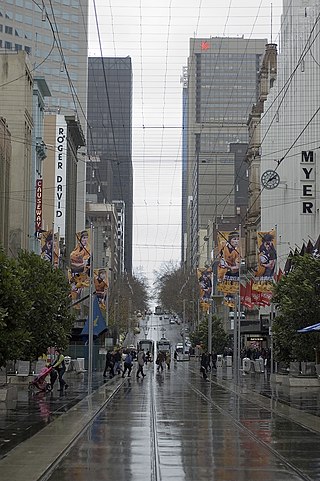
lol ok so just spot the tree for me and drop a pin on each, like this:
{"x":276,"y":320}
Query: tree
{"x":172,"y":286}
{"x":15,"y":308}
{"x":220,"y":338}
{"x":297,"y":297}
{"x":50,"y":320}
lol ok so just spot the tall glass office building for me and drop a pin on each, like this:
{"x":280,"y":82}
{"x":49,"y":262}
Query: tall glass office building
{"x":109,"y":171}
{"x":222,"y":85}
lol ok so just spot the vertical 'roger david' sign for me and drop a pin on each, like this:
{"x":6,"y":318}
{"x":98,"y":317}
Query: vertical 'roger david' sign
{"x":60,"y":175}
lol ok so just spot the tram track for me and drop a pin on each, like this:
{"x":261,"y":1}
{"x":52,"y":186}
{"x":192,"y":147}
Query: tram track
{"x":155,"y":454}
{"x":249,"y":433}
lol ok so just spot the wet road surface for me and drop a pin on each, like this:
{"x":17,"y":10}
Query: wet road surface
{"x":175,"y":426}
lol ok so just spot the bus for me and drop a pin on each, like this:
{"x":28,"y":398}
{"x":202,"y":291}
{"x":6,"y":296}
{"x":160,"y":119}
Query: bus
{"x":146,"y":345}
{"x":164,"y":345}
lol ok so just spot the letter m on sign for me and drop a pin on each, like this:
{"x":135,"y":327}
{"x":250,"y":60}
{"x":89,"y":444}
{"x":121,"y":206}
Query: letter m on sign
{"x":307,"y":156}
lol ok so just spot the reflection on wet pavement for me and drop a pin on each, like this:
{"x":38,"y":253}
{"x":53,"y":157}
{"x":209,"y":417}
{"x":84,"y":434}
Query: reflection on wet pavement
{"x":175,"y":426}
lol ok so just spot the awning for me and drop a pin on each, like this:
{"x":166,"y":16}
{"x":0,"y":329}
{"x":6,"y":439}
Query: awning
{"x":314,"y":327}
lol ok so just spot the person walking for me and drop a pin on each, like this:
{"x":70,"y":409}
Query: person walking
{"x":168,"y":359}
{"x":160,"y":361}
{"x":204,"y":365}
{"x":127,"y":365}
{"x":60,"y":367}
{"x":141,"y":359}
{"x":117,"y":361}
{"x":109,"y":365}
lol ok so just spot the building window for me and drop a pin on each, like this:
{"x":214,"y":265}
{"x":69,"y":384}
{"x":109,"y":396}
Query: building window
{"x":8,"y":45}
{"x":17,"y":47}
{"x":8,"y":30}
{"x":28,"y":50}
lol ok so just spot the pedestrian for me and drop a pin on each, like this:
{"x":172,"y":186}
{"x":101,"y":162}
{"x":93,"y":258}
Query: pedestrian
{"x":127,"y":364}
{"x":109,"y":365}
{"x":168,"y":359}
{"x":60,"y":367}
{"x":117,"y":361}
{"x":141,"y":359}
{"x":160,"y":360}
{"x":204,"y":365}
{"x":175,"y":355}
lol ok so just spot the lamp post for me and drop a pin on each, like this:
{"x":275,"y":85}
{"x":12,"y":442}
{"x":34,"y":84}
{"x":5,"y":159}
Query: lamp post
{"x":90,"y":318}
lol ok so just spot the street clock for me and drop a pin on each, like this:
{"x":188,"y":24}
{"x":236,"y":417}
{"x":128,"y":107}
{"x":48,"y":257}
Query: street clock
{"x":270,"y":179}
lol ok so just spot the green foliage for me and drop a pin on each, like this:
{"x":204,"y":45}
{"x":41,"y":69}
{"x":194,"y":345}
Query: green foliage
{"x":219,"y":336}
{"x":14,"y":310}
{"x":297,"y":297}
{"x":50,"y":319}
{"x":34,"y":307}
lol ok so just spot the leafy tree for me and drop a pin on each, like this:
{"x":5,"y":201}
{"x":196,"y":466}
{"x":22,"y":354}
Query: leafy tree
{"x":49,"y":320}
{"x":297,"y":297}
{"x":173,"y":286}
{"x":14,"y":310}
{"x":220,"y":338}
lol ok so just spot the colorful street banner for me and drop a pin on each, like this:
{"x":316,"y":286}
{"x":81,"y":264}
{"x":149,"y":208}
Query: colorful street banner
{"x":229,"y":256}
{"x":100,"y":279}
{"x":99,"y":322}
{"x":267,"y":261}
{"x":76,"y":289}
{"x":205,"y":286}
{"x":80,"y":259}
{"x":47,"y":247}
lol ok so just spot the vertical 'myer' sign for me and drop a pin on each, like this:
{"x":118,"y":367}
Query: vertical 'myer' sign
{"x":308,"y":182}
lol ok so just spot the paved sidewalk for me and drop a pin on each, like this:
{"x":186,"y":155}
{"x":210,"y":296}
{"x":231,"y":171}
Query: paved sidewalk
{"x":30,"y":413}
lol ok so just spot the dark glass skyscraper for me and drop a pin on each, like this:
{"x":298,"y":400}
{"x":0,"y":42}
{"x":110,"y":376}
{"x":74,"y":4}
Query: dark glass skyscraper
{"x":109,"y":171}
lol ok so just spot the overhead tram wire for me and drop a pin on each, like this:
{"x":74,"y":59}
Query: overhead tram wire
{"x":143,"y":118}
{"x":283,"y":88}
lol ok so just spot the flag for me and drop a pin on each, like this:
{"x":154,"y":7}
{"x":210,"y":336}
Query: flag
{"x":248,"y":296}
{"x":316,"y":249}
{"x":99,"y":323}
{"x":80,"y":259}
{"x":309,"y":247}
{"x":267,"y":259}
{"x":288,"y":264}
{"x":279,"y":275}
{"x":229,"y":255}
{"x":303,"y":249}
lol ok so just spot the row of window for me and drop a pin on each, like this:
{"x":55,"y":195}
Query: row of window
{"x":16,"y":46}
{"x":29,"y":5}
{"x":37,"y":20}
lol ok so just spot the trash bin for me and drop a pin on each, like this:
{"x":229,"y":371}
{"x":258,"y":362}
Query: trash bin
{"x":219,"y":360}
{"x":80,"y":362}
{"x":246,"y":364}
{"x":229,"y":361}
{"x":261,"y":362}
{"x":257,"y":367}
{"x":67,"y":361}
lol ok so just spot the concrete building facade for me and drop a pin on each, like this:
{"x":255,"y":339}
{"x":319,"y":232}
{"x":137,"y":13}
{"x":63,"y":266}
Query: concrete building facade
{"x":290,"y":132}
{"x":17,"y":85}
{"x":63,"y":136}
{"x":55,"y":37}
{"x":267,"y":77}
{"x":5,"y":165}
{"x":222,"y":86}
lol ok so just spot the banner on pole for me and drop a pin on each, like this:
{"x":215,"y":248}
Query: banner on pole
{"x":229,"y":255}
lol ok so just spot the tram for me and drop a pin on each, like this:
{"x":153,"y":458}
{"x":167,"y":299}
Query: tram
{"x":164,"y":345}
{"x":146,"y":345}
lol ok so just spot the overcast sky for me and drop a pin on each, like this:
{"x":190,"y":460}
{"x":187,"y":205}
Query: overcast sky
{"x":155,"y":34}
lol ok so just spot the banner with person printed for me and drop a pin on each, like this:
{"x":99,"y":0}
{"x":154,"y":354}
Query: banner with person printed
{"x":205,"y":285}
{"x":100,"y":279}
{"x":80,"y":260}
{"x":267,"y":262}
{"x":229,"y":257}
{"x":49,"y":246}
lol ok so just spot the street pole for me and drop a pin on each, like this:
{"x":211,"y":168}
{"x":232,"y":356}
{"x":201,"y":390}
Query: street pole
{"x":184,"y":326}
{"x":210,"y":327}
{"x":90,"y":318}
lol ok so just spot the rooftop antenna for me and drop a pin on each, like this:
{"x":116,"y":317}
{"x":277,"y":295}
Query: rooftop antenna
{"x":271,"y":22}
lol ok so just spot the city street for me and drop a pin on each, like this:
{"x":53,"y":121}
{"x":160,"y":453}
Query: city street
{"x":175,"y":426}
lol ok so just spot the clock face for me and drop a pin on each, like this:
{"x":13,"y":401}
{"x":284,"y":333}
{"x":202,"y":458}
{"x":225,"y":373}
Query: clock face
{"x":270,"y":179}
